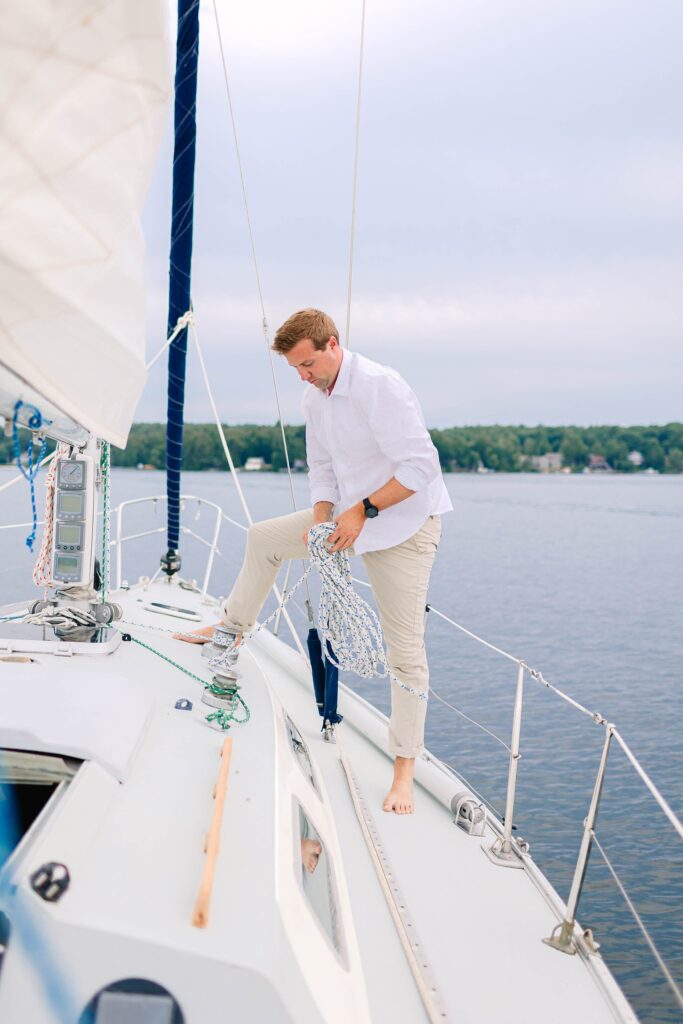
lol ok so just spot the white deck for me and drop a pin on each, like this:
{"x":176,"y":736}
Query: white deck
{"x":135,"y":855}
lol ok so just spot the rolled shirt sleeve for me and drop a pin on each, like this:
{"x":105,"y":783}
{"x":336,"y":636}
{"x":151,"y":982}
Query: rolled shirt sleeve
{"x":321,"y":476}
{"x":397,"y":423}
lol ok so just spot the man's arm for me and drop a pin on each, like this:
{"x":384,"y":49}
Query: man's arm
{"x":352,"y":521}
{"x":396,"y":421}
{"x":322,"y":511}
{"x":321,"y":476}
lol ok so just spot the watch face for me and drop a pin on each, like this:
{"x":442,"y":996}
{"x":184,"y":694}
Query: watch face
{"x":371,"y":511}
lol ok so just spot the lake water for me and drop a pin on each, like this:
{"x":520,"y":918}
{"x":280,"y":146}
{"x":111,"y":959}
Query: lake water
{"x":581,"y":577}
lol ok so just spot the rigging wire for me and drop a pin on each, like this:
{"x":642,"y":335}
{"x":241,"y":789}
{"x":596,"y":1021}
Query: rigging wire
{"x":16,"y":479}
{"x":639,"y":921}
{"x":473,"y":721}
{"x":355,"y":176}
{"x":252,"y":242}
{"x":240,"y":492}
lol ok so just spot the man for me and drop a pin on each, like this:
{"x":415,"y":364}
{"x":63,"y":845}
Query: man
{"x":372,"y":462}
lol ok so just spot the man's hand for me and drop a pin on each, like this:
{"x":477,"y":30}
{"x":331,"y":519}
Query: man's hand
{"x":349,"y":525}
{"x":322,"y":510}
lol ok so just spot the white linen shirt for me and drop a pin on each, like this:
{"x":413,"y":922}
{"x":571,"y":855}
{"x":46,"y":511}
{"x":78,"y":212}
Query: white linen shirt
{"x":369,"y":429}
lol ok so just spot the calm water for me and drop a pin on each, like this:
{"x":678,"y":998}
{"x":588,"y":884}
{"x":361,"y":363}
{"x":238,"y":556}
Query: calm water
{"x":580,"y":576}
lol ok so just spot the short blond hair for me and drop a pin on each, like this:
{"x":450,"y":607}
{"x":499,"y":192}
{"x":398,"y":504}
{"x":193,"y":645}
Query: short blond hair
{"x":307,"y":323}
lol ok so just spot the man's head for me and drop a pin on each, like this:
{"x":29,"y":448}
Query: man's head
{"x":309,"y":341}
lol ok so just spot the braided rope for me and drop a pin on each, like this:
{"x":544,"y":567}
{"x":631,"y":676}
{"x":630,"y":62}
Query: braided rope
{"x":66,"y":618}
{"x":105,"y":463}
{"x":222,"y":717}
{"x":348,"y":624}
{"x":35,"y":422}
{"x":42,"y":571}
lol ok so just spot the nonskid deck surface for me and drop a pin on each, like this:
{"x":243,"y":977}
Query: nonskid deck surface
{"x":480,"y":926}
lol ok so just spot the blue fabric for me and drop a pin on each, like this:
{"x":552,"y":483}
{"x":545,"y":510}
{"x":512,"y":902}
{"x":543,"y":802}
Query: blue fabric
{"x":325,"y":679}
{"x":187,"y":50}
{"x":315,"y":654}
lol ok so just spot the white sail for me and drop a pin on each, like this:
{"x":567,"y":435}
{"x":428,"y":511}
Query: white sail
{"x":83,"y":90}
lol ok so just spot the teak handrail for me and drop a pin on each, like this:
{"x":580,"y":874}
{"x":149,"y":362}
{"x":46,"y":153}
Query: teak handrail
{"x":200,"y":915}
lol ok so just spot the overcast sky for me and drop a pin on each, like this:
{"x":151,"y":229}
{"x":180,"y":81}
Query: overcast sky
{"x":519,"y":243}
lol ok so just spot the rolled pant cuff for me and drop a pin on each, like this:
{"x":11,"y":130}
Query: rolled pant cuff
{"x":403,"y":752}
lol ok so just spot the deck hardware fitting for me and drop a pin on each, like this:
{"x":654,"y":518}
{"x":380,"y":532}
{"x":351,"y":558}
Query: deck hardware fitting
{"x":224,"y":701}
{"x":183,"y":704}
{"x":397,"y":907}
{"x":504,"y":851}
{"x":564,"y":941}
{"x":328,"y":731}
{"x":469,"y":814}
{"x":51,"y":881}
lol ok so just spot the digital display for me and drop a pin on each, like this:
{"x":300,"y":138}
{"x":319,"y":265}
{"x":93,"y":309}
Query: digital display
{"x":67,"y":564}
{"x":71,"y":503}
{"x":68,"y":533}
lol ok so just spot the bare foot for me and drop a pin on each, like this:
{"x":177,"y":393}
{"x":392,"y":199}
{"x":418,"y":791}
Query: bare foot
{"x":399,"y":799}
{"x":310,"y":853}
{"x":198,"y":636}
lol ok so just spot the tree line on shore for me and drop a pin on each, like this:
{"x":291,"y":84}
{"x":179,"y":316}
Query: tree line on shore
{"x":508,"y":449}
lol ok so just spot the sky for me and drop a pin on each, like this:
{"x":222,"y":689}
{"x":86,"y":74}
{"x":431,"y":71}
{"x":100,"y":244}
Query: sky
{"x":519,"y":221}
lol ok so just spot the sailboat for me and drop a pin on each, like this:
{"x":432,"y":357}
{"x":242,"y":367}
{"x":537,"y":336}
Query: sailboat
{"x":181,"y":843}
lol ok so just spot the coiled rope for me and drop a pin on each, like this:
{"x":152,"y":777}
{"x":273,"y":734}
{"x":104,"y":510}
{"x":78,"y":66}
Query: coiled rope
{"x":64,"y":618}
{"x":347,"y":623}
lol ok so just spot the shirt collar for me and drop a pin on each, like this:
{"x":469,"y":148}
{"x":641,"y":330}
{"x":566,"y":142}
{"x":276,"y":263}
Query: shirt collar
{"x":341,"y":385}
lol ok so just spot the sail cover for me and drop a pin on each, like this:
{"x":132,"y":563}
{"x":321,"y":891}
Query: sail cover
{"x":84,"y":88}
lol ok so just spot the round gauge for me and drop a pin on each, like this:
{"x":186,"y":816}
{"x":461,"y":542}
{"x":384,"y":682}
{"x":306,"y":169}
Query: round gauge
{"x":72,"y":473}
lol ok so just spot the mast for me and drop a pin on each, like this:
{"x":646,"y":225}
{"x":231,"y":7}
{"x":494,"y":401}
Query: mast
{"x":180,"y":268}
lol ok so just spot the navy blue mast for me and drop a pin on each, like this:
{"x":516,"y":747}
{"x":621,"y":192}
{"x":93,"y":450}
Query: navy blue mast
{"x":187,"y":50}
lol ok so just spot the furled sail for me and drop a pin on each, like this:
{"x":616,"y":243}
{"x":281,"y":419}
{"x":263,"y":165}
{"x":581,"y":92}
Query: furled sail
{"x":83,"y":90}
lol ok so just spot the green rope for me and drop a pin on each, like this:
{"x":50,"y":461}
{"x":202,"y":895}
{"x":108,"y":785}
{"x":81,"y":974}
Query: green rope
{"x":104,"y":465}
{"x":222,"y":718}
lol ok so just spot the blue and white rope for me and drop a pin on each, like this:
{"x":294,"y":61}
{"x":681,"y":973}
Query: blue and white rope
{"x":347,"y":623}
{"x":35,"y":422}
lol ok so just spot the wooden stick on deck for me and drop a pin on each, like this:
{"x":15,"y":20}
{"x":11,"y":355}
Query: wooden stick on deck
{"x":200,"y":915}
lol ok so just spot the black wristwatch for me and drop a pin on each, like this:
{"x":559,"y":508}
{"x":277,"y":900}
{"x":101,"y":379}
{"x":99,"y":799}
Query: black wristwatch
{"x":370,"y":510}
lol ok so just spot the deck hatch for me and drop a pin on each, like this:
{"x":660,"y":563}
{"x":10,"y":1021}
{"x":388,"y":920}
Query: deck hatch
{"x":28,"y":783}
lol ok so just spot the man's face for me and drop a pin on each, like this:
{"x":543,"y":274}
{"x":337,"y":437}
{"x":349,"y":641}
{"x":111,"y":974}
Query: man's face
{"x":317,"y":366}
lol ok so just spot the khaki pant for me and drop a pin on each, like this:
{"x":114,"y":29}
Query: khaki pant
{"x":399,"y":577}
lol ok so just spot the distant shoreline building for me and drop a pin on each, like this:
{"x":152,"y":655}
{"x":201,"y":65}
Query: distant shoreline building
{"x":551,"y":462}
{"x":598,"y":464}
